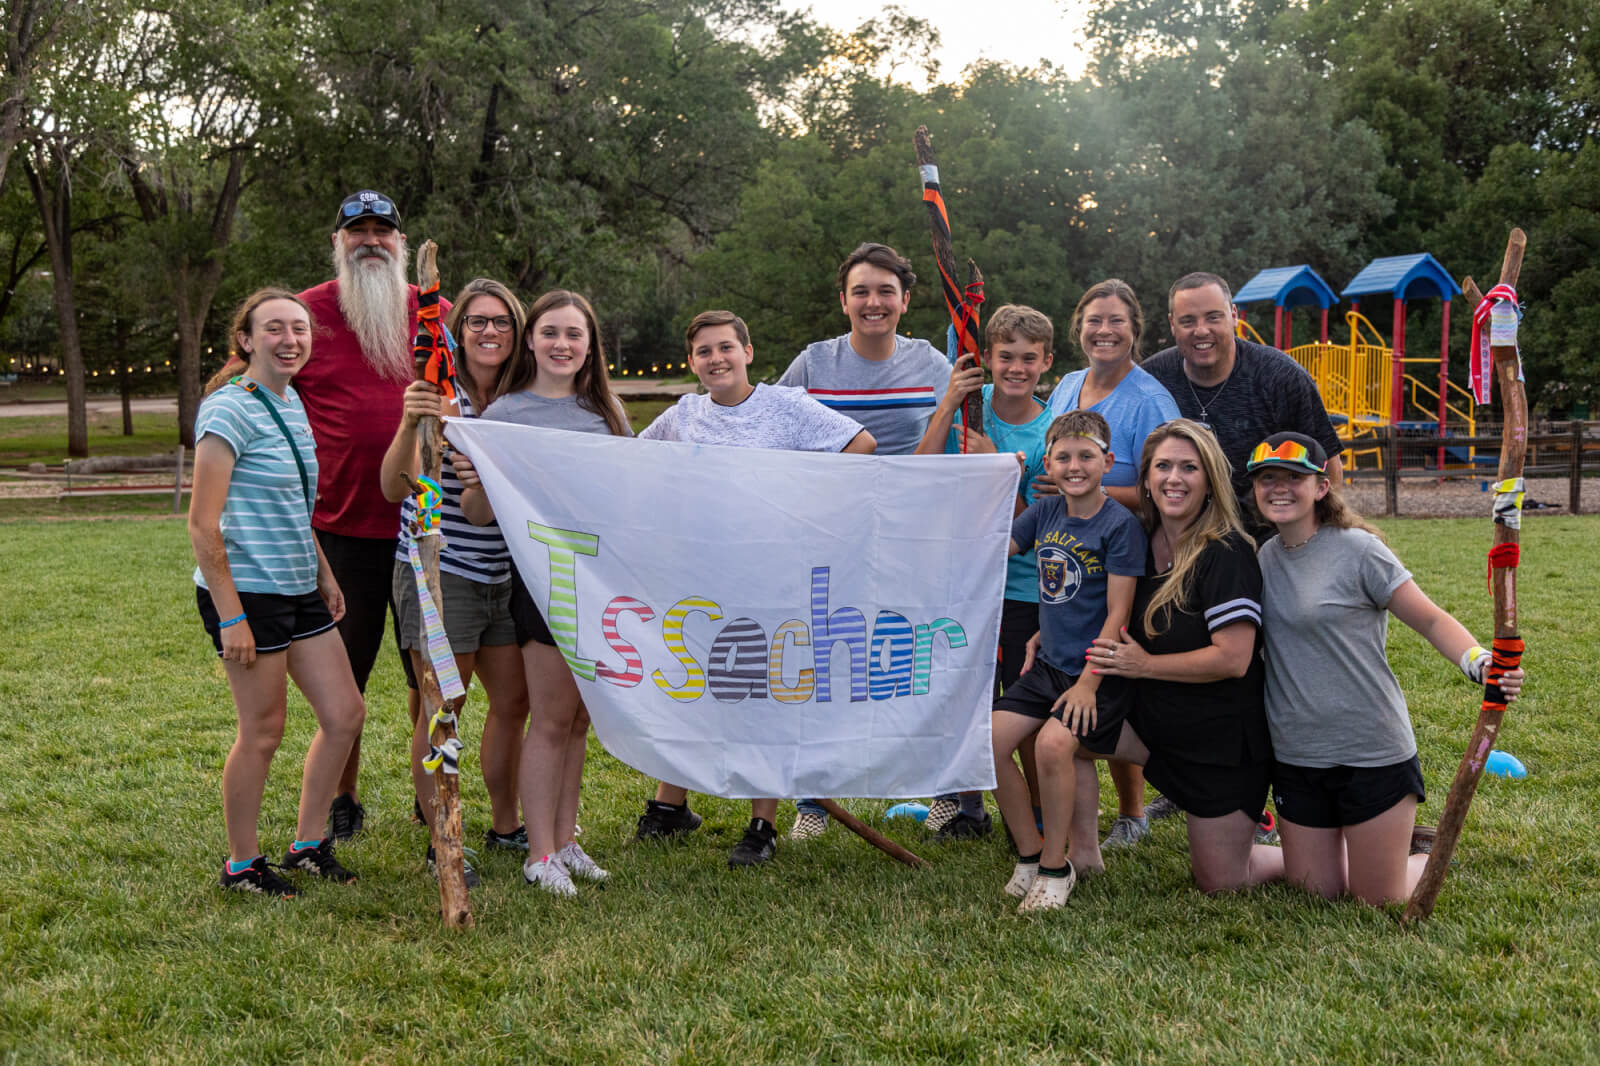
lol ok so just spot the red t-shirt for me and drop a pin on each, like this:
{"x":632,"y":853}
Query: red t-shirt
{"x":353,"y":414}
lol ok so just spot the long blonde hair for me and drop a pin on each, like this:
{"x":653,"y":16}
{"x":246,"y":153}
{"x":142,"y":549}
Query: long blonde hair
{"x":1218,"y":517}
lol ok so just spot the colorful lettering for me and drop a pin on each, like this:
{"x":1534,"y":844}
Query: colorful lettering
{"x":922,"y":668}
{"x":848,"y":626}
{"x":805,"y":682}
{"x":738,"y":664}
{"x":694,"y":686}
{"x":632,"y":671}
{"x":893,"y":632}
{"x":561,"y":614}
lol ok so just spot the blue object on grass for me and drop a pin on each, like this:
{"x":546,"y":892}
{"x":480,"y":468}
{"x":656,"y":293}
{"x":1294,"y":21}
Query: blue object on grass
{"x":919,"y":811}
{"x":1504,"y":764}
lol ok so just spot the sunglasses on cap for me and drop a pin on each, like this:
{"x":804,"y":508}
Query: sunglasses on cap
{"x":1287,"y":453}
{"x":380,"y":207}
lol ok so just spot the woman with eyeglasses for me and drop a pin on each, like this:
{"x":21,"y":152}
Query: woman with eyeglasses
{"x":1347,"y":781}
{"x":474,"y":564}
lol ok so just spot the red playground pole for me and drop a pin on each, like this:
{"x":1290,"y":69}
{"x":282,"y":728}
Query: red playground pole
{"x":1288,"y":329}
{"x":1277,"y":327}
{"x":1324,"y":325}
{"x":1444,"y":371}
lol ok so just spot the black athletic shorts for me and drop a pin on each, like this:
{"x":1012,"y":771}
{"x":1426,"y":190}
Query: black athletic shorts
{"x":525,"y":616}
{"x":1036,"y":692}
{"x":1332,"y":797}
{"x":275,"y":621}
{"x":1019,"y":621}
{"x":1207,"y":790}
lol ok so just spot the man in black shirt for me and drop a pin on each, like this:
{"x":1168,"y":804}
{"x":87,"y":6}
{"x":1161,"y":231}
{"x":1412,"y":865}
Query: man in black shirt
{"x":1243,"y":391}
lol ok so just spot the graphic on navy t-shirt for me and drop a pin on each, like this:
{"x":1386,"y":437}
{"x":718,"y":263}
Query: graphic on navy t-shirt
{"x":1076,"y":555}
{"x":1060,"y":575}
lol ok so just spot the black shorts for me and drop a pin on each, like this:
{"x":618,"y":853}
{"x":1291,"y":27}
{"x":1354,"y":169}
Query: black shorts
{"x":275,"y":621}
{"x":1019,"y":621}
{"x":1332,"y":797}
{"x":525,"y":617}
{"x":1036,"y":692}
{"x":1206,"y":790}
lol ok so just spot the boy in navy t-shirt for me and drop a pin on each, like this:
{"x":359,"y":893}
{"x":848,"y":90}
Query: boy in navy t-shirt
{"x":1091,"y":551}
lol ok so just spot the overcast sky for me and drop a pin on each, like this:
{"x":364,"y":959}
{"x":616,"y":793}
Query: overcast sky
{"x":1020,"y":32}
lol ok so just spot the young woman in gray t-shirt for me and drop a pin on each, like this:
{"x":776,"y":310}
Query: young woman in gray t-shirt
{"x":1347,"y":781}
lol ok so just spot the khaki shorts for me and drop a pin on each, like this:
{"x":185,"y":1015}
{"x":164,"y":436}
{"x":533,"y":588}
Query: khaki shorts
{"x":475,"y":615}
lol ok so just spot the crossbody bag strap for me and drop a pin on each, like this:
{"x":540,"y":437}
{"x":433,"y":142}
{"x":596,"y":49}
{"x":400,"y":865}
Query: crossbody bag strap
{"x":300,"y":464}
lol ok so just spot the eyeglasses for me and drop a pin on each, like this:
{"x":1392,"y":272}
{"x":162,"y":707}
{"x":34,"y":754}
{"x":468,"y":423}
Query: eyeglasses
{"x":1287,"y":453}
{"x":362,"y":207}
{"x":479,"y":323}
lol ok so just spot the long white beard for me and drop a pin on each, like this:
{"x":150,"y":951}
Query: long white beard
{"x":373,"y":302}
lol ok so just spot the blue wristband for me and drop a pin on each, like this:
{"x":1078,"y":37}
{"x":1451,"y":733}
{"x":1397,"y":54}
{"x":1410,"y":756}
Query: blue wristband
{"x":230,"y":622}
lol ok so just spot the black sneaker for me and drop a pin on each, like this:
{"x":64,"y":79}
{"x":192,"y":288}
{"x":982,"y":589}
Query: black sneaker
{"x":516,"y":840}
{"x":319,"y":861}
{"x":661,"y":821}
{"x":759,"y":843}
{"x":346,"y":817}
{"x":965,"y":827}
{"x":471,"y":874}
{"x":259,"y":878}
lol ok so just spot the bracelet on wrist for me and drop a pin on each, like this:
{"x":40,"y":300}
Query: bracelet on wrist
{"x":230,"y":622}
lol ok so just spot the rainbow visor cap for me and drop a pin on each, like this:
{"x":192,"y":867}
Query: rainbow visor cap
{"x":1292,"y":451}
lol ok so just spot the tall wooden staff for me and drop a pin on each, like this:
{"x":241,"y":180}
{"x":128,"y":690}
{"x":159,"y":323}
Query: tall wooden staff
{"x":961,"y":303}
{"x":430,"y":351}
{"x":1503,"y":558}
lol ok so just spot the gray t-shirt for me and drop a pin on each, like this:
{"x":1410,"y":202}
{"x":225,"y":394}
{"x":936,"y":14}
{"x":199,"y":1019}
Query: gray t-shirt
{"x":530,"y":409}
{"x":1266,"y":393}
{"x":892,"y":399}
{"x":770,"y":417}
{"x":1331,"y":698}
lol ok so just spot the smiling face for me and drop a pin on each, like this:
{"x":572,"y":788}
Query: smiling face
{"x":488,"y":334}
{"x":1106,"y":334}
{"x":559,"y":340}
{"x":1016,"y":365}
{"x":279,"y":341}
{"x":1076,"y":465}
{"x":873,"y":301}
{"x":1285,"y":497}
{"x":719,"y":360}
{"x":1202,"y":323}
{"x":1177,"y":481}
{"x":369,"y":242}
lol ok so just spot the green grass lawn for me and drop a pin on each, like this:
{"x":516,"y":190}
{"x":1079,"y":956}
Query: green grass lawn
{"x":116,"y":944}
{"x":43,"y":439}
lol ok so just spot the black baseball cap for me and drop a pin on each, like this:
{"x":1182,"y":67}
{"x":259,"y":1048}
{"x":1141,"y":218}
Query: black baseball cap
{"x":1292,"y":451}
{"x":366,"y":204}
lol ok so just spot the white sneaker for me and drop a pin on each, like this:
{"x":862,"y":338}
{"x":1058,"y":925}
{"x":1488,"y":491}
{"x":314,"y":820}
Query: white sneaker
{"x":578,"y":864}
{"x":1022,"y":879}
{"x":808,"y":824}
{"x":550,"y":875}
{"x":1048,"y":893}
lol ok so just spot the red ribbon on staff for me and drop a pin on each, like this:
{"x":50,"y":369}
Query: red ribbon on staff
{"x":1482,"y":366}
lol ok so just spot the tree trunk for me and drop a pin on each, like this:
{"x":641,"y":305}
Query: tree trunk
{"x":54,"y":197}
{"x":121,"y":331}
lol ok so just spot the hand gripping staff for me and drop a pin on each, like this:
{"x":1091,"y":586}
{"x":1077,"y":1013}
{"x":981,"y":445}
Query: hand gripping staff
{"x":1503,"y":558}
{"x":441,"y":699}
{"x":961,"y":302}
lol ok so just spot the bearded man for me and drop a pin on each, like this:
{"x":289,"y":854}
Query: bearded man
{"x":361,"y":363}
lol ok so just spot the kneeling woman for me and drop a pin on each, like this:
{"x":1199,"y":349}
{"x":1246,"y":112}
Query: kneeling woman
{"x":265,"y":593}
{"x":1198,"y":724}
{"x":1348,"y":781}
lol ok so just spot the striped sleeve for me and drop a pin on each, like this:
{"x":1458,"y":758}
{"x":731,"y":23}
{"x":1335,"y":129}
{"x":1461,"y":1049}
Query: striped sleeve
{"x":222,"y":416}
{"x":1229,"y":584}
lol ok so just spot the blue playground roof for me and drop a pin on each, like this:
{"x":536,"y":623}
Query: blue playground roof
{"x":1405,"y":277}
{"x":1295,"y":286}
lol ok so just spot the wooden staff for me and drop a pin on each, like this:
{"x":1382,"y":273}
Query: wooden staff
{"x":961,"y":303}
{"x":445,"y":822}
{"x":871,"y":835}
{"x":1507,"y":649}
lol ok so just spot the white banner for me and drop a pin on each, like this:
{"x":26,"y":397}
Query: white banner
{"x":746,"y":623}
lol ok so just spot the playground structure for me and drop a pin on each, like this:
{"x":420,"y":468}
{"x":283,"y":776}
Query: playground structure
{"x":1367,"y":385}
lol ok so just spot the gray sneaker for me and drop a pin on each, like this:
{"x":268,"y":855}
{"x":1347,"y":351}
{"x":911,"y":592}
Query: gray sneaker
{"x":1126,"y":832}
{"x":1161,"y":807}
